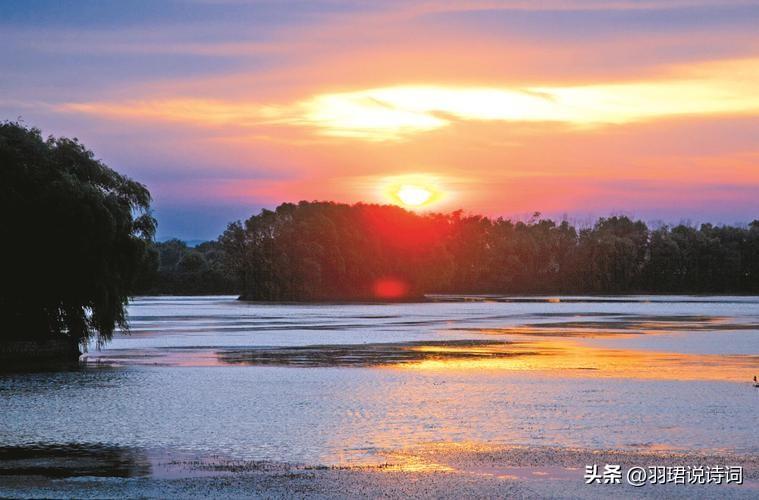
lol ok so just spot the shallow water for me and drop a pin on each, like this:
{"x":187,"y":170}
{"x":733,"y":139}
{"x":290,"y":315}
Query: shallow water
{"x":337,"y":384}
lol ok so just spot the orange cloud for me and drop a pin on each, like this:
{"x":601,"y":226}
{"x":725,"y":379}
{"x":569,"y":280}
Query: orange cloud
{"x":388,"y":113}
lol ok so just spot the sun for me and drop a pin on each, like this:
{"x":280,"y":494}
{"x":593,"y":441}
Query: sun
{"x":413,"y":195}
{"x":413,"y":191}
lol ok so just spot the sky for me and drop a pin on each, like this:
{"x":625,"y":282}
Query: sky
{"x":575,"y":108}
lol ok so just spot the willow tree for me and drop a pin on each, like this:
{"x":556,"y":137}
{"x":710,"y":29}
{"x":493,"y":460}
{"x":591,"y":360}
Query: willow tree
{"x":75,"y":235}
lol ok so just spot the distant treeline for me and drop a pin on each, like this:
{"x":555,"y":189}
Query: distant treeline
{"x":331,"y":251}
{"x":174,"y":268}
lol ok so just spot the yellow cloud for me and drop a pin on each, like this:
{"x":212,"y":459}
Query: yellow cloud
{"x":395,"y":112}
{"x":391,"y":112}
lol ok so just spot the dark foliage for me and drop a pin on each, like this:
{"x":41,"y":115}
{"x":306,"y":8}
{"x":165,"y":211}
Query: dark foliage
{"x":314,"y":251}
{"x":76,"y":236}
{"x":176,"y":269}
{"x":329,"y":251}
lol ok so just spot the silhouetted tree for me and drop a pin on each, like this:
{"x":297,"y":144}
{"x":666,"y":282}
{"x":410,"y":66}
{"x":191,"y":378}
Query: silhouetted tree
{"x":323,"y":251}
{"x":77,"y":235}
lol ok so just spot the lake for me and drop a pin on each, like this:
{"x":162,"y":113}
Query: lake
{"x":366,"y":384}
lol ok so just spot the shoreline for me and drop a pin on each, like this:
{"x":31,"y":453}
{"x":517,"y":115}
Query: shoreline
{"x":452,"y":297}
{"x":444,"y":470}
{"x":38,"y":354}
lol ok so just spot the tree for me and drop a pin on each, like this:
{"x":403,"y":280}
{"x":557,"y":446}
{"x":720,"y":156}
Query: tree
{"x":171,"y":253}
{"x":326,"y":251}
{"x":176,"y":269}
{"x":664,"y":269}
{"x":77,"y":235}
{"x":192,"y":262}
{"x":612,"y":255}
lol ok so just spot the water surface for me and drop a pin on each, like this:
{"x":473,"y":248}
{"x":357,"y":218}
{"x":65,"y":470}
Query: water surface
{"x":345,"y":384}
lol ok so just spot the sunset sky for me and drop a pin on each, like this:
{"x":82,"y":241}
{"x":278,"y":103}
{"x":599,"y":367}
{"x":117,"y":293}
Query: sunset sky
{"x":581,"y":108}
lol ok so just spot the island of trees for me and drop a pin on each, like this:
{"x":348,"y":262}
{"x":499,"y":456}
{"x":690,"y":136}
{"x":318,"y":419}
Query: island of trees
{"x":333,"y":251}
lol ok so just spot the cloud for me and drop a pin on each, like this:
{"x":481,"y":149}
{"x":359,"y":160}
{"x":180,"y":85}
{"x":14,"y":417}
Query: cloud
{"x":515,"y":105}
{"x":396,"y":112}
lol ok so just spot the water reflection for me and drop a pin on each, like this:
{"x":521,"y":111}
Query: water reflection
{"x":302,"y":384}
{"x":578,"y":360}
{"x":380,"y":354}
{"x":620,"y":324}
{"x":552,"y":356}
{"x":73,"y":460}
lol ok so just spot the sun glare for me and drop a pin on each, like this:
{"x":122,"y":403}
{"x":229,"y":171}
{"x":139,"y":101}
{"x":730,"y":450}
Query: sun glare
{"x":413,"y":195}
{"x":412,"y":191}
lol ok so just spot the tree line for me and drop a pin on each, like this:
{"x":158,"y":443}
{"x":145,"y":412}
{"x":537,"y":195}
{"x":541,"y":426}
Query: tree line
{"x":333,"y":251}
{"x":173,"y":268}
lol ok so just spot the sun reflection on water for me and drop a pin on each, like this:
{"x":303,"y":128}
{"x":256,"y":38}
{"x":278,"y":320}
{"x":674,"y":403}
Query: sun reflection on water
{"x":573,"y":359}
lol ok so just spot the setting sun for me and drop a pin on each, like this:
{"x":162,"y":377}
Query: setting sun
{"x":414,"y":190}
{"x":413,"y":195}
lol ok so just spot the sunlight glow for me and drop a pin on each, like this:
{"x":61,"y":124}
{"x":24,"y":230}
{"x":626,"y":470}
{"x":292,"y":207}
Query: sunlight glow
{"x":390,"y":288}
{"x":391,"y":113}
{"x":361,"y":113}
{"x":412,"y":190}
{"x":397,"y":112}
{"x":414,"y":196}
{"x":575,"y":358}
